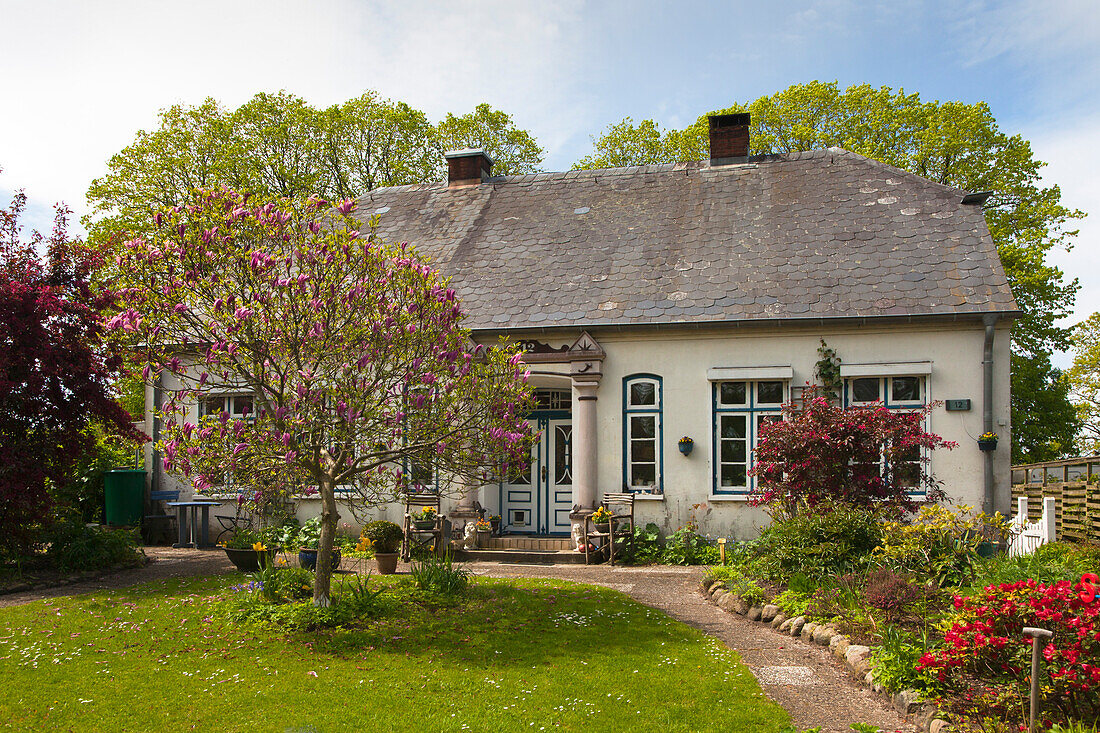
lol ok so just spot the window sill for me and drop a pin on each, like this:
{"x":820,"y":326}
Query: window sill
{"x":649,"y":497}
{"x":721,"y":499}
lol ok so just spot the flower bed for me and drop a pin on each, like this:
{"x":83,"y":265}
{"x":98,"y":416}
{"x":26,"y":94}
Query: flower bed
{"x":940,"y":622}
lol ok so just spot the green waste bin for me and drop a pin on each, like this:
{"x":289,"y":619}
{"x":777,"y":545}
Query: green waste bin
{"x":124,"y":491}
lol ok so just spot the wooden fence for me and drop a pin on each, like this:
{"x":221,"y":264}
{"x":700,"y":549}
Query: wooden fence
{"x":1076,"y":500}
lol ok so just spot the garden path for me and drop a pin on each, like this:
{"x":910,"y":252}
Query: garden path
{"x":805,"y":679}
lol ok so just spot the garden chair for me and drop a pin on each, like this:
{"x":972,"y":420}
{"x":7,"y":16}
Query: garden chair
{"x":620,"y":532}
{"x":157,"y":527}
{"x":416,"y":537}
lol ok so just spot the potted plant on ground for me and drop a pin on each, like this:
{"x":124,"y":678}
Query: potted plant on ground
{"x":385,"y":539}
{"x":494,"y":521}
{"x":247,"y":551}
{"x":484,"y":531}
{"x":425,"y":518}
{"x":309,"y":543}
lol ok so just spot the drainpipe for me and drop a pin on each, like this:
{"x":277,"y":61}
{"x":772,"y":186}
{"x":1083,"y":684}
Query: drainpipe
{"x":990,"y":321}
{"x":157,"y":466}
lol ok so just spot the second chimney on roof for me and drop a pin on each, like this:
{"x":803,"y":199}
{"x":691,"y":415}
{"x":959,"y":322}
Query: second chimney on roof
{"x":467,"y":167}
{"x":729,"y":138}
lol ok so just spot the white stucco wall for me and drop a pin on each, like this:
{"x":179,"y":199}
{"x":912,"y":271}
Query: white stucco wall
{"x":682,"y":357}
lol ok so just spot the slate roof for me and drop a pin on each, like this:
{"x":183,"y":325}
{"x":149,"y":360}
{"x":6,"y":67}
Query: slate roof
{"x":820,"y":234}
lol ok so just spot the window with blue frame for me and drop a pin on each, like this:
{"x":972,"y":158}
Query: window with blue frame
{"x":642,"y":433}
{"x":740,"y":408}
{"x":900,"y":392}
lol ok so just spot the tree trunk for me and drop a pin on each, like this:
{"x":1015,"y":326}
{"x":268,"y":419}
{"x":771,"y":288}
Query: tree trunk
{"x":322,"y":582}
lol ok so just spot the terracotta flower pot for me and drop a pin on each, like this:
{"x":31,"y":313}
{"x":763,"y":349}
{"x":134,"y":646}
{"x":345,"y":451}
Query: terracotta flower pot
{"x":386,"y":562}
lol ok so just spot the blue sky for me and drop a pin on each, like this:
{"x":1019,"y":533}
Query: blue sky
{"x":83,"y":77}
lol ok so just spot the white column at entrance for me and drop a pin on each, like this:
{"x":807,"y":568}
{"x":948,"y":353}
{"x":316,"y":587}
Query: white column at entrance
{"x":585,"y":479}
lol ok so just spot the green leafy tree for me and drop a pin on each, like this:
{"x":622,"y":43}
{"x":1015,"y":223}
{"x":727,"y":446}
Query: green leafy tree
{"x":512,"y":149}
{"x":953,"y":143}
{"x":1084,"y":380}
{"x":277,"y":145}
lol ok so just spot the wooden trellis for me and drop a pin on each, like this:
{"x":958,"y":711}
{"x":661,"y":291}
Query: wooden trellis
{"x":1076,"y":499}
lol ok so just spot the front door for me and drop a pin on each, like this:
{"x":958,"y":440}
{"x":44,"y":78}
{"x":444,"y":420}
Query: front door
{"x":538,"y":500}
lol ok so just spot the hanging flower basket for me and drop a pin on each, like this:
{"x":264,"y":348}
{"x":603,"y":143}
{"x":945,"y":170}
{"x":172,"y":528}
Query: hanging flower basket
{"x":686,"y":445}
{"x":987,"y":442}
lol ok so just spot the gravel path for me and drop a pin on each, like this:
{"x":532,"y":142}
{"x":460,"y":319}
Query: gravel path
{"x":803,"y":678}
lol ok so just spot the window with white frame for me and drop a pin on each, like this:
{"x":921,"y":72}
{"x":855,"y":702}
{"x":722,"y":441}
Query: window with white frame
{"x":642,"y":433}
{"x":240,"y":406}
{"x":740,"y":408}
{"x":902,"y":387}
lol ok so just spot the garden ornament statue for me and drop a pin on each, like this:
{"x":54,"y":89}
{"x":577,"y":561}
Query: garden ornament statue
{"x":469,"y":536}
{"x":1035,"y":635}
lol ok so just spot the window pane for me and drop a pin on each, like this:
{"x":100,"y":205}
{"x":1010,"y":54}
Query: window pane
{"x":643,"y":426}
{"x":642,"y":450}
{"x":643,"y":474}
{"x":563,"y":468}
{"x":865,"y":390}
{"x":769,"y":393}
{"x":732,"y":393}
{"x":905,"y":389}
{"x":733,"y":451}
{"x":242,"y":405}
{"x":733,"y":426}
{"x":733,"y":475}
{"x":213,"y":406}
{"x":643,"y":393}
{"x":421,"y":473}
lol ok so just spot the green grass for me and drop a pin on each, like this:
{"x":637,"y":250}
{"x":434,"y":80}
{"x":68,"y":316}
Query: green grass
{"x":515,"y":655}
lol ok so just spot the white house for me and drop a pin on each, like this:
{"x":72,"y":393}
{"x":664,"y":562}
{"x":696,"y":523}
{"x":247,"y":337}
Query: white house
{"x":689,"y":299}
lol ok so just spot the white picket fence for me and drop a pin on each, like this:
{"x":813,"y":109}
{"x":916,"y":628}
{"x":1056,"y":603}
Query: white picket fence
{"x":1028,"y":536}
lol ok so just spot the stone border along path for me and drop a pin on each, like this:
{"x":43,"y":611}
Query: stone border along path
{"x":806,"y":680}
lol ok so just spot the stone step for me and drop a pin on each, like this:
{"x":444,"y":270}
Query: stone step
{"x":530,"y":543}
{"x":535,"y":557}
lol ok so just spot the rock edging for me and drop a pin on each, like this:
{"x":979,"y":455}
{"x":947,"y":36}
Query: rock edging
{"x":80,"y":577}
{"x":856,"y":657}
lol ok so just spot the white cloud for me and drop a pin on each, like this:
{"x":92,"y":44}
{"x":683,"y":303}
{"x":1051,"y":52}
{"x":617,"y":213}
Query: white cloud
{"x":1072,"y":153}
{"x":83,"y":77}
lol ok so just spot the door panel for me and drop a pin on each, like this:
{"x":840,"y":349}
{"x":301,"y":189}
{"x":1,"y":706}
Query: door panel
{"x":539,"y":499}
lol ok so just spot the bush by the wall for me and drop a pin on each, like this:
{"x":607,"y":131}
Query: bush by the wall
{"x":817,"y":544}
{"x":74,"y":545}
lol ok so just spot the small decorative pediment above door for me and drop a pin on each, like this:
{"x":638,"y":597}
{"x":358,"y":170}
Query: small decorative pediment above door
{"x":586,"y":359}
{"x":584,"y":348}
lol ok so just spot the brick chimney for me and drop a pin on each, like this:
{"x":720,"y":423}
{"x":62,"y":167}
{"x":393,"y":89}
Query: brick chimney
{"x":467,"y":167}
{"x":729,"y":138}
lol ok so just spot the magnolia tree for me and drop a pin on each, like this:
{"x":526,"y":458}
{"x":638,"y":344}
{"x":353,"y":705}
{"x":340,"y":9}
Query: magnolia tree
{"x":351,"y":349}
{"x":866,"y":456}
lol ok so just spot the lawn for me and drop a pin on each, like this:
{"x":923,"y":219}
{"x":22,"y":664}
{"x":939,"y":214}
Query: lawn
{"x":513,"y":655}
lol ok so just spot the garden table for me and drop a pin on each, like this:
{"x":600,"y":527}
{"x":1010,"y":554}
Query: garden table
{"x":192,"y":539}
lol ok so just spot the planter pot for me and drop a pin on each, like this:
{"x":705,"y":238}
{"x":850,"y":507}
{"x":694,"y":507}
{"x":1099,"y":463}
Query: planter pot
{"x":423,"y":524}
{"x":308,"y":559}
{"x":987,"y":445}
{"x":386,"y":562}
{"x":686,"y":448}
{"x":604,"y":527}
{"x":483,"y":536}
{"x":247,"y":560}
{"x":496,"y":526}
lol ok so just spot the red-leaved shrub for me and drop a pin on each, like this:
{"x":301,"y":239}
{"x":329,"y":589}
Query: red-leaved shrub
{"x":986,"y":652}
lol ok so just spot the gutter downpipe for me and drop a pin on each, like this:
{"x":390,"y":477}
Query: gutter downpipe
{"x":990,"y":322}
